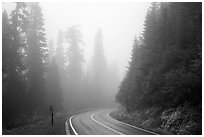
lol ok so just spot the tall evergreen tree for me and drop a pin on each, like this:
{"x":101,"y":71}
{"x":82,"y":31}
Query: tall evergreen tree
{"x":37,"y":56}
{"x":54,"y":91}
{"x":6,"y":43}
{"x":62,"y":64}
{"x":74,"y":51}
{"x":75,"y":58}
{"x":98,"y":71}
{"x":13,"y":67}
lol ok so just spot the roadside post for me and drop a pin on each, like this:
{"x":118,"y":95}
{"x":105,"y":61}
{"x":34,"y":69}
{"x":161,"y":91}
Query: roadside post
{"x":52,"y":114}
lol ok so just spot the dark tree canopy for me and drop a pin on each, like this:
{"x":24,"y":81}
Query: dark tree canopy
{"x":13,"y":67}
{"x":24,"y":59}
{"x":165,"y":71}
{"x":167,"y":60}
{"x":37,"y":55}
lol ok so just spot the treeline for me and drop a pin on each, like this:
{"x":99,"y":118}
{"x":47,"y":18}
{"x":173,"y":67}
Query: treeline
{"x":83,"y":85}
{"x":165,"y":71}
{"x":24,"y":66}
{"x":37,"y":74}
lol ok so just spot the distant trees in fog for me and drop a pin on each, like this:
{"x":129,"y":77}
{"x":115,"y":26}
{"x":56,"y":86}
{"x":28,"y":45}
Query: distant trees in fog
{"x":97,"y":71}
{"x":75,"y":63}
{"x":101,"y":77}
{"x":53,"y":86}
{"x":90,"y":87}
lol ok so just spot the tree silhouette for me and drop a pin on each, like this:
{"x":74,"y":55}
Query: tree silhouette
{"x":75,"y":72}
{"x":98,"y":71}
{"x":54,"y":90}
{"x":37,"y":56}
{"x":13,"y":67}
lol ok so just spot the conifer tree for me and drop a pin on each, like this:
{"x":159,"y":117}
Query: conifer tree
{"x":75,"y":61}
{"x":163,"y":66}
{"x":14,"y":86}
{"x":54,"y":90}
{"x":99,"y":71}
{"x":37,"y":56}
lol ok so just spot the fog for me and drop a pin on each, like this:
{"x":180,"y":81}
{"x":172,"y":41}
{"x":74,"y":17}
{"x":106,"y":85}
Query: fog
{"x":120,"y":23}
{"x":139,"y":62}
{"x":89,"y":48}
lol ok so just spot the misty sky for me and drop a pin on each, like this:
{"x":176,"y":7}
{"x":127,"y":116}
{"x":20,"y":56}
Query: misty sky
{"x":119,"y":22}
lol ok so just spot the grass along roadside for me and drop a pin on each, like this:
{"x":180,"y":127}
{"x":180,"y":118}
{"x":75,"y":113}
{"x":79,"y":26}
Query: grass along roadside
{"x":182,"y":120}
{"x":121,"y":115}
{"x":42,"y":127}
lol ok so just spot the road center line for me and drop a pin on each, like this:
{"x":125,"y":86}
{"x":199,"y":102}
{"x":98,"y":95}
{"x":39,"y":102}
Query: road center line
{"x":131,"y":125}
{"x":118,"y":132}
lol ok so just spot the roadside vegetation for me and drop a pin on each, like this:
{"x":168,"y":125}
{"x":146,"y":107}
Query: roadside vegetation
{"x":41,"y":126}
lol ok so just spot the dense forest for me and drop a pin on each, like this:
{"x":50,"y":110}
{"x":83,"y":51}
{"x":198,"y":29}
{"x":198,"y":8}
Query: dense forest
{"x":24,"y":57}
{"x":37,"y":74}
{"x":163,"y":84}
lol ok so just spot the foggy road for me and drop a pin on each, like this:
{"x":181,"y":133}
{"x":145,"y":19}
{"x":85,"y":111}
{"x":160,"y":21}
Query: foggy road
{"x":101,"y":123}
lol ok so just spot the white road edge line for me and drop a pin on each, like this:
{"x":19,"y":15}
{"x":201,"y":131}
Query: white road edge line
{"x":92,"y":117}
{"x":67,"y":127}
{"x":131,"y":125}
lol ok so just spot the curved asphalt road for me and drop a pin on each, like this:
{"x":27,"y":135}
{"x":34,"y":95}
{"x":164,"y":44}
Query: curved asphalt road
{"x":100,"y":123}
